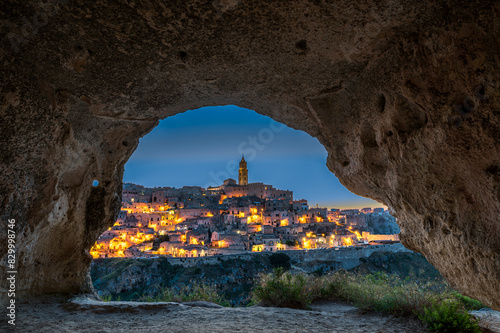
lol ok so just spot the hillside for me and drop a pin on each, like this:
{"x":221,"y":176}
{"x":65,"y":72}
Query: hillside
{"x":129,"y":279}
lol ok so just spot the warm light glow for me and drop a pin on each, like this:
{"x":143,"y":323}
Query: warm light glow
{"x":258,"y":248}
{"x":209,"y":214}
{"x":280,"y":246}
{"x":252,"y":219}
{"x":358,"y":235}
{"x":347,"y":241}
{"x":284,"y":223}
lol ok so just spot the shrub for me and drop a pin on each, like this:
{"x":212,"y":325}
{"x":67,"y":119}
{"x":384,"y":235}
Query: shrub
{"x":467,"y":302}
{"x":319,"y":272}
{"x":280,"y":260}
{"x":374,"y":292}
{"x":440,"y":308}
{"x":194,"y":292}
{"x":448,"y":317}
{"x":282,"y":290}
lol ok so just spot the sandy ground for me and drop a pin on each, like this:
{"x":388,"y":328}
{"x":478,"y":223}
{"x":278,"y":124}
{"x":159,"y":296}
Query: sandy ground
{"x":85,"y":315}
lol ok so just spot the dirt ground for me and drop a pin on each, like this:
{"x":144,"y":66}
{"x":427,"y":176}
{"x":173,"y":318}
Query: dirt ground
{"x":90,"y":316}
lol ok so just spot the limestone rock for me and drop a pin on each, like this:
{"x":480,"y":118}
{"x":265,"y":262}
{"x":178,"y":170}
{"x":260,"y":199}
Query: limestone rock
{"x":404,"y":95}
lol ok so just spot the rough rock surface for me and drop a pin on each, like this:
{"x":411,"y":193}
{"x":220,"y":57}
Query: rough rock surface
{"x":90,"y":316}
{"x":404,"y":95}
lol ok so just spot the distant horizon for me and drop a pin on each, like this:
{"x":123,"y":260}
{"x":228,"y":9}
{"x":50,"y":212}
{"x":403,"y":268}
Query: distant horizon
{"x":202,"y":147}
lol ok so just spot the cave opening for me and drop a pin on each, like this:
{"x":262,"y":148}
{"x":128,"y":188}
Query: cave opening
{"x":182,"y":192}
{"x":408,"y":115}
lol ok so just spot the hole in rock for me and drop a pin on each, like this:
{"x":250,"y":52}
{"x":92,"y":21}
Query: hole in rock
{"x":208,"y":191}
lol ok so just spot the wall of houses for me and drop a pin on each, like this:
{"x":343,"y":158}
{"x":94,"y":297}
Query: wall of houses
{"x":347,"y":256}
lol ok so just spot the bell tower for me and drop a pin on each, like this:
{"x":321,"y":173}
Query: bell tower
{"x":243,"y":172}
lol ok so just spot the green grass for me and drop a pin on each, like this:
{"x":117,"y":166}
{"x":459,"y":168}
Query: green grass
{"x":187,"y":293}
{"x":467,"y":302}
{"x":433,"y":302}
{"x":283,"y":290}
{"x":448,"y":317}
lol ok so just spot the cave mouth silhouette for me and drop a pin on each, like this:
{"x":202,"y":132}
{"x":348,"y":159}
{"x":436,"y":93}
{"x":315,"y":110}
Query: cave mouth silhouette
{"x":403,"y":98}
{"x":199,"y":148}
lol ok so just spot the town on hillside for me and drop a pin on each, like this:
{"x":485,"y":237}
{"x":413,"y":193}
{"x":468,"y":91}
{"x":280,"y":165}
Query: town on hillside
{"x":233,"y":218}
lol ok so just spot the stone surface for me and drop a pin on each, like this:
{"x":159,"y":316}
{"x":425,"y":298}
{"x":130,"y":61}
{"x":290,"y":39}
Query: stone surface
{"x":489,"y":319}
{"x":86,"y":304}
{"x":402,"y":94}
{"x":90,"y":316}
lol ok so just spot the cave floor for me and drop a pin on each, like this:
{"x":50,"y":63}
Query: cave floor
{"x":86,"y":315}
{"x":63,"y":316}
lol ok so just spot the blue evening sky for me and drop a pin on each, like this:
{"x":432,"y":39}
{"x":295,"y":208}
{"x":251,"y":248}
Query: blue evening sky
{"x":203,"y":147}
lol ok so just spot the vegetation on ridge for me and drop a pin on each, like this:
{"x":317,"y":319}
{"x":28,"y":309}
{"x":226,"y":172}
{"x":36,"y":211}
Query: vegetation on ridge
{"x":196,"y":292}
{"x":393,"y":283}
{"x":434,"y":303}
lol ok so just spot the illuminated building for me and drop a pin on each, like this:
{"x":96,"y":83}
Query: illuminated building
{"x":243,"y":172}
{"x":235,"y":216}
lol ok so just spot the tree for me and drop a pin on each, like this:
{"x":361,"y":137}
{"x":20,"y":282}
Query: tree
{"x":280,"y":260}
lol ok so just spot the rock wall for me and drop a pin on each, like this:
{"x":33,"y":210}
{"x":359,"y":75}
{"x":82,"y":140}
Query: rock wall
{"x":402,"y":94}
